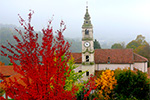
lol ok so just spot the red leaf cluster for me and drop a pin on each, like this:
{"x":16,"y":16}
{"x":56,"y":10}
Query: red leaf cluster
{"x":1,"y":76}
{"x":43,"y":67}
{"x":90,"y":86}
{"x":2,"y":98}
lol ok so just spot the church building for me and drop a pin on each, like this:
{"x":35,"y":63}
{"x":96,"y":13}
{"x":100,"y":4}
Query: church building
{"x":91,"y":60}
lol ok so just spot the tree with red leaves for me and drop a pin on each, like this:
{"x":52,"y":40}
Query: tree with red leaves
{"x":89,"y":88}
{"x":43,"y":69}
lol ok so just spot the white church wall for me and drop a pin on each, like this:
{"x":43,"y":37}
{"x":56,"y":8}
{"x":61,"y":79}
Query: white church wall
{"x":91,"y":57}
{"x":88,"y":68}
{"x":113,"y":66}
{"x":78,"y":68}
{"x":142,"y":66}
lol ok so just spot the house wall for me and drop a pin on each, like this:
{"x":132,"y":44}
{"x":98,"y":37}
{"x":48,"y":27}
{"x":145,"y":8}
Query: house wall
{"x":142,"y":66}
{"x":112,"y":66}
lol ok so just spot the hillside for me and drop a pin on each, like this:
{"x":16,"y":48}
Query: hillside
{"x":7,"y":32}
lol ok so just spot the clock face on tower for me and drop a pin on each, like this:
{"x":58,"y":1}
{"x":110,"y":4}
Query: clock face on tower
{"x":86,"y":44}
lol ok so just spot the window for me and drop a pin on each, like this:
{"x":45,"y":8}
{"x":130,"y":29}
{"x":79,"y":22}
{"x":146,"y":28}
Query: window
{"x":87,"y":73}
{"x":108,"y":60}
{"x":80,"y":71}
{"x":86,"y":32}
{"x":86,"y":22}
{"x":87,"y":58}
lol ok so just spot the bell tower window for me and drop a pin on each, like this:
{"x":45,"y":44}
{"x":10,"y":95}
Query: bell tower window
{"x":87,"y":58}
{"x":86,"y":32}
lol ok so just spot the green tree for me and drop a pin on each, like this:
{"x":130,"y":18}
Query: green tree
{"x":139,"y":41}
{"x":73,"y":76}
{"x":10,"y":64}
{"x":117,"y":46}
{"x":130,"y":84}
{"x":96,"y":44}
{"x":144,"y":50}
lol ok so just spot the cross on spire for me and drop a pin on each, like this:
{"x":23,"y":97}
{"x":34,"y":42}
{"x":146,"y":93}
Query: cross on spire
{"x":86,"y":4}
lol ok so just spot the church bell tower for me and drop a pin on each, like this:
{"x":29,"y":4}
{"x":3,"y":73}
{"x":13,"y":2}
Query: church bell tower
{"x":87,"y":46}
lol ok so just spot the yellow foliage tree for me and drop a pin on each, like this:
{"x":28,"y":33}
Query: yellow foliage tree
{"x":106,"y":84}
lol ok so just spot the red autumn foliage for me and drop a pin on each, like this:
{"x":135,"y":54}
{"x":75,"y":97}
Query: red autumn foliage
{"x":43,"y":70}
{"x":91,"y":85}
{"x":1,"y":76}
{"x":2,"y":98}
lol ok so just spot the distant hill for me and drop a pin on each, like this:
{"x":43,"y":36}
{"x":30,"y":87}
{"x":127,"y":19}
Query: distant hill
{"x":7,"y":26}
{"x":7,"y":32}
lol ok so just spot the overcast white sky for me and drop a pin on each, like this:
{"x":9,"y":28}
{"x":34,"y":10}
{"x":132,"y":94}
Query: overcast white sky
{"x":120,"y":20}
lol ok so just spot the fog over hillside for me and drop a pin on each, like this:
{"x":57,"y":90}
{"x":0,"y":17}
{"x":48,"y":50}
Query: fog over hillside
{"x":7,"y":31}
{"x":113,"y":20}
{"x":105,"y":41}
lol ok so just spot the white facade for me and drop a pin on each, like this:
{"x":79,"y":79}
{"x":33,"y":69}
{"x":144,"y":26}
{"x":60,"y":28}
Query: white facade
{"x":112,"y":66}
{"x":142,"y":66}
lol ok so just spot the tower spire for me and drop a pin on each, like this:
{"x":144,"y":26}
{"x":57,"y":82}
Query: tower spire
{"x":87,"y":21}
{"x":87,"y":46}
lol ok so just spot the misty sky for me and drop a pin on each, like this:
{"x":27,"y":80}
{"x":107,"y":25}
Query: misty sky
{"x":115,"y":20}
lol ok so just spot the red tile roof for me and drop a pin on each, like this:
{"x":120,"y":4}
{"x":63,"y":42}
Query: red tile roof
{"x":138,"y":58}
{"x":77,"y":57}
{"x":13,"y":77}
{"x":116,"y":56}
{"x":7,"y":70}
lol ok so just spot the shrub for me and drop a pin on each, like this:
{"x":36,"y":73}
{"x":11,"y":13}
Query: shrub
{"x":131,"y":84}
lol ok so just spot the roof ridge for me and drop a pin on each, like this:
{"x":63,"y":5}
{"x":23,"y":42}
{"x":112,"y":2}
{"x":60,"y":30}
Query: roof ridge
{"x":77,"y":52}
{"x":77,"y":59}
{"x":141,"y":56}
